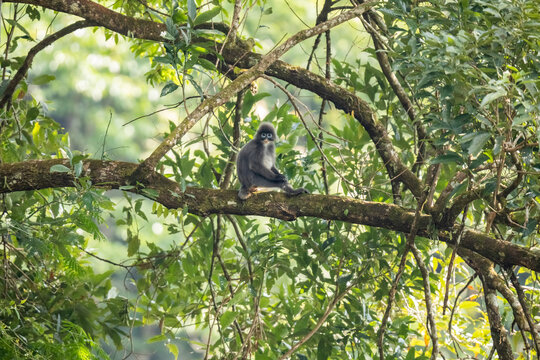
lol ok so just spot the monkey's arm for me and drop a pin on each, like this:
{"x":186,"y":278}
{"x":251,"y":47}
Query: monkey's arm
{"x":275,"y":171}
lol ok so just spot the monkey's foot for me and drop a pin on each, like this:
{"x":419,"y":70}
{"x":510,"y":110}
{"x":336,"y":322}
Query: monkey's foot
{"x":243,"y":194}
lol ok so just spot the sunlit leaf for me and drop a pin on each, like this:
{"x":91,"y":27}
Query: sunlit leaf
{"x":168,"y":88}
{"x":207,"y":15}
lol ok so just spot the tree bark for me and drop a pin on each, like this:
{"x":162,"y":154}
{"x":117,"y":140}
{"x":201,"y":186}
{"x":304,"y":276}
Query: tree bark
{"x":36,"y":175}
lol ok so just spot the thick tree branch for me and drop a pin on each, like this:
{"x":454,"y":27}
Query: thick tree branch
{"x":36,"y":175}
{"x":239,"y":84}
{"x":112,"y":20}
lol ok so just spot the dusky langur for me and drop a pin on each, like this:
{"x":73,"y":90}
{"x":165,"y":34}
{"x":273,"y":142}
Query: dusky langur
{"x":256,"y":165}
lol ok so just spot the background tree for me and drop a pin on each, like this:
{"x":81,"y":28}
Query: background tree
{"x":416,"y":130}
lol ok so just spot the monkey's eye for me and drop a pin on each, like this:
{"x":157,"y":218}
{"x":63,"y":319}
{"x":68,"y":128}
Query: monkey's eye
{"x":269,"y":135}
{"x":263,"y":135}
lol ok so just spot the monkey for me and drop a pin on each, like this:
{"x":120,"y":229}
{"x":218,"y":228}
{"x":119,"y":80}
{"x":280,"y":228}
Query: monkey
{"x":256,"y":165}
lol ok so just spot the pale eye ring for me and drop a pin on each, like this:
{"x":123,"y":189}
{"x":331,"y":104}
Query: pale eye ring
{"x":269,"y":135}
{"x":263,"y":135}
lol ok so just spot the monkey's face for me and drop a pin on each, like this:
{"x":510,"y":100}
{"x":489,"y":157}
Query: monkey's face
{"x":266,"y":137}
{"x":266,"y":133}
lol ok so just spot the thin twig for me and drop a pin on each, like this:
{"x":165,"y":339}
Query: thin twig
{"x":452,"y":258}
{"x":313,"y":137}
{"x":527,"y":313}
{"x":453,"y":311}
{"x":149,"y":164}
{"x":327,"y":312}
{"x":227,"y":173}
{"x":8,"y":93}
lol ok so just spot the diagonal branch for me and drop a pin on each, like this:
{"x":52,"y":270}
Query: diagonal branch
{"x":239,"y":84}
{"x":112,"y":20}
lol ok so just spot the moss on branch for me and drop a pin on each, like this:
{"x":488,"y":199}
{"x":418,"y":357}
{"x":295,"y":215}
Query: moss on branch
{"x":36,"y":174}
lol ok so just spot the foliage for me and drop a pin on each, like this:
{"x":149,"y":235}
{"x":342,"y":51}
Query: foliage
{"x":246,"y":287}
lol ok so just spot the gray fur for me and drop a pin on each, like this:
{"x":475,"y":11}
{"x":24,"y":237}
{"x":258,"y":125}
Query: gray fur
{"x":256,"y":165}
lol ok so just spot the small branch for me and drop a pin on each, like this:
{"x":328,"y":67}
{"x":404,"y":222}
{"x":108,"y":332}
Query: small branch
{"x":452,"y":259}
{"x":432,"y":325}
{"x":526,"y":312}
{"x":498,"y":332}
{"x":227,"y":276}
{"x":235,"y":23}
{"x":8,"y":93}
{"x":227,"y":173}
{"x":317,"y":326}
{"x":240,"y":239}
{"x":455,"y":304}
{"x":391,"y":299}
{"x":430,"y":179}
{"x":327,"y":75}
{"x":323,"y":16}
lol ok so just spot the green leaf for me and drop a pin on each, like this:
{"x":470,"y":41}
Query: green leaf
{"x":192,"y":9}
{"x":411,"y":354}
{"x":342,"y":280}
{"x":207,"y":15}
{"x":17,"y":24}
{"x":173,"y":349}
{"x":150,"y":193}
{"x":328,"y":242}
{"x":59,"y":168}
{"x":78,"y":167}
{"x":227,"y":318}
{"x":448,"y":158}
{"x":208,"y":65}
{"x":43,"y":79}
{"x":133,"y":243}
{"x":157,"y":338}
{"x":32,"y":113}
{"x":169,"y":88}
{"x":492,"y":96}
{"x":250,"y":99}
{"x":324,"y":349}
{"x":477,"y":143}
{"x":33,"y":13}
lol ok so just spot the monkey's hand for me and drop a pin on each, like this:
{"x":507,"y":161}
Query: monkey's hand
{"x":268,"y":174}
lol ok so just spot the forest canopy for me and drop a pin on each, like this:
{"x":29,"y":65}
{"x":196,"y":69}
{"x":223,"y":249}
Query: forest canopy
{"x":413,"y":125}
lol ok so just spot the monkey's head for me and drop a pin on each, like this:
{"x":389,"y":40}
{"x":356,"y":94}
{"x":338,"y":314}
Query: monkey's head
{"x":266,"y":133}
